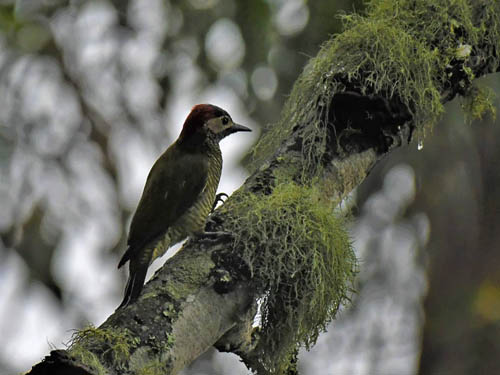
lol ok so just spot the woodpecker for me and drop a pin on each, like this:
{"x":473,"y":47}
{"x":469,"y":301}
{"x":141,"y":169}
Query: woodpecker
{"x":179,"y":193}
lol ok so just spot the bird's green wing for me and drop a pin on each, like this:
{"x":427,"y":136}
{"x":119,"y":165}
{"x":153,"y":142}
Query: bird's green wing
{"x":174,"y":183}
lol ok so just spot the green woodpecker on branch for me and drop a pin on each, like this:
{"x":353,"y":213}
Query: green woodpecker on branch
{"x":179,"y":193}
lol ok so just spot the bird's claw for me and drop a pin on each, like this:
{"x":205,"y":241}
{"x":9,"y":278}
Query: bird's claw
{"x":218,"y":198}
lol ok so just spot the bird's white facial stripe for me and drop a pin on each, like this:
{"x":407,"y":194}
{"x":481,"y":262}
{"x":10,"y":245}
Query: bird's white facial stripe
{"x":216,"y":125}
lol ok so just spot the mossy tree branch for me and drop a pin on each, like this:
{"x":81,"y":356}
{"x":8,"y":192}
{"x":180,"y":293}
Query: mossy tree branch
{"x":370,"y":90}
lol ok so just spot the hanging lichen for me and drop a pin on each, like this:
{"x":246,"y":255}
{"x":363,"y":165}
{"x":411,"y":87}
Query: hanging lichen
{"x":301,"y":260}
{"x":403,"y":49}
{"x":297,"y":250}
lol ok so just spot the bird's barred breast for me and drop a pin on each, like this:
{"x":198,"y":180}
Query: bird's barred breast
{"x":194,"y":219}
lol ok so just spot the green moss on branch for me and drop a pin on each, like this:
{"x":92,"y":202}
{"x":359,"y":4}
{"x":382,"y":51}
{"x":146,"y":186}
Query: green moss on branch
{"x":421,"y":52}
{"x":90,"y":344}
{"x":301,"y":261}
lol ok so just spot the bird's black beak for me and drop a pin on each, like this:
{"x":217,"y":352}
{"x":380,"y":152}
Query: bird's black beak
{"x":233,"y":129}
{"x":239,"y":128}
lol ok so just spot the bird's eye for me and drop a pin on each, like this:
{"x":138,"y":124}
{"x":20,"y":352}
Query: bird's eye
{"x":225,"y":120}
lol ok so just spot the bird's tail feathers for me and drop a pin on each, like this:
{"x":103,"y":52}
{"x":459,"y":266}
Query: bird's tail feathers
{"x":125,"y":257}
{"x":134,"y":286}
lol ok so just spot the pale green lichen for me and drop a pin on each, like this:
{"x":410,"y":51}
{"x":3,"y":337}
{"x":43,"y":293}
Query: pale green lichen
{"x":152,"y":368}
{"x":298,"y":252}
{"x":188,"y":275}
{"x":91,"y":344}
{"x":301,"y":260}
{"x":479,"y":103}
{"x":143,"y":362}
{"x":97,"y":348}
{"x":399,"y":48}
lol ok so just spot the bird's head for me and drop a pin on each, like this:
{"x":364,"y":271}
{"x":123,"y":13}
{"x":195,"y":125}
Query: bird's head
{"x":207,"y":120}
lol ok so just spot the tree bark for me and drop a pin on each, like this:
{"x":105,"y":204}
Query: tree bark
{"x":195,"y":301}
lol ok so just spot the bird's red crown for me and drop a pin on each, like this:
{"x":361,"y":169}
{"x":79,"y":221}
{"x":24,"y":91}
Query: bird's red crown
{"x":199,"y":114}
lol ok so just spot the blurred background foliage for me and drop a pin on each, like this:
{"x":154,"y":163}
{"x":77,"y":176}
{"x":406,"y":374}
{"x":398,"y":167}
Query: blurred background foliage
{"x":91,"y":92}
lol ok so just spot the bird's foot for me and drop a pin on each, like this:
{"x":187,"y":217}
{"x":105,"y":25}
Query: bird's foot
{"x":218,"y":198}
